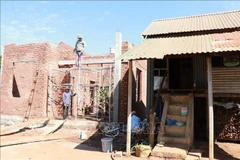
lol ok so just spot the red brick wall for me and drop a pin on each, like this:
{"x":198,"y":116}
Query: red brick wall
{"x":22,"y":61}
{"x":123,"y":93}
{"x":43,"y":56}
{"x":140,"y":106}
{"x":126,"y":46}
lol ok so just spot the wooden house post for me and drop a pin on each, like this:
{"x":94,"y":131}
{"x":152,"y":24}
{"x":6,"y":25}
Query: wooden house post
{"x":210,"y":109}
{"x":129,"y":110}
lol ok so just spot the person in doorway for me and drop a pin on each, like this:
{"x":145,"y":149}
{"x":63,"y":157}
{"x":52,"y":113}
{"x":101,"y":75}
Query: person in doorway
{"x":67,"y":98}
{"x":79,"y":49}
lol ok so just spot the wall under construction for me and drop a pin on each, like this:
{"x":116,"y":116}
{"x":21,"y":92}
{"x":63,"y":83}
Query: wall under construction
{"x":20,"y":64}
{"x":86,"y":82}
{"x":19,"y":72}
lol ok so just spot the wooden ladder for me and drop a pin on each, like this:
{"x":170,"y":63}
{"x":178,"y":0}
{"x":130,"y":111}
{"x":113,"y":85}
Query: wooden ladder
{"x":32,"y":93}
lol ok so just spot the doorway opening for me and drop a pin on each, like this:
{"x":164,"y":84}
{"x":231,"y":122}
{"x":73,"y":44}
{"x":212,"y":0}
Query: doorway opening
{"x":200,"y":118}
{"x":181,"y":73}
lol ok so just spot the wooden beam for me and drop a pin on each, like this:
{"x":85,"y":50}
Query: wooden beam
{"x":210,"y":109}
{"x":34,"y":123}
{"x":73,"y":62}
{"x":129,"y":110}
{"x":57,"y":124}
{"x":27,"y":141}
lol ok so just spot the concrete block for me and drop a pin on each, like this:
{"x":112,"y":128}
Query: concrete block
{"x":194,"y":154}
{"x":169,"y":152}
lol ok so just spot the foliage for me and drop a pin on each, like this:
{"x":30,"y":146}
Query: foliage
{"x":143,"y":147}
{"x":104,"y":94}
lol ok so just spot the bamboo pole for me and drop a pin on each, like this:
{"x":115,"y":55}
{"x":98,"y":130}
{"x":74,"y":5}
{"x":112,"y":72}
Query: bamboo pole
{"x":129,"y":110}
{"x":210,"y":109}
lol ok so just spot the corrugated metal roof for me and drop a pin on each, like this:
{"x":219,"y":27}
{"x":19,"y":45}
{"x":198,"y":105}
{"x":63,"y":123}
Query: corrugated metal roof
{"x":193,"y":44}
{"x":216,"y":21}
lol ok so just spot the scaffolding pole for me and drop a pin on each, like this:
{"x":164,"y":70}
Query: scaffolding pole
{"x":110,"y":93}
{"x":78,"y":89}
{"x":50,"y":93}
{"x":79,"y":85}
{"x":89,"y":69}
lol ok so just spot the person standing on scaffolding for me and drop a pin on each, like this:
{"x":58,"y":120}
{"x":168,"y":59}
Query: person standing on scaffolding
{"x":67,"y":99}
{"x":79,"y":49}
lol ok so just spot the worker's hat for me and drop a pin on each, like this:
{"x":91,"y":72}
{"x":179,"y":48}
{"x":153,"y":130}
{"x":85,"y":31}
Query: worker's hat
{"x":67,"y":87}
{"x":79,"y":36}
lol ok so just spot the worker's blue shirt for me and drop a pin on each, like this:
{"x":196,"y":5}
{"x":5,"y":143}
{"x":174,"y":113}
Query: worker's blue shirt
{"x":67,"y":97}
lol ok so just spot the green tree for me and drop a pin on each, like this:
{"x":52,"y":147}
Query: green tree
{"x":104,"y":96}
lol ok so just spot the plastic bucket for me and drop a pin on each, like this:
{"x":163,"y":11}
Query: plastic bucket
{"x":107,"y":144}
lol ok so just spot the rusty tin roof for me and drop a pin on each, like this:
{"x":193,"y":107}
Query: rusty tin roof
{"x":191,"y":44}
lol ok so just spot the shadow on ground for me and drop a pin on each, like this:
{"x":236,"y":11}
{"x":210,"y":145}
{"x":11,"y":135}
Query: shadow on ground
{"x":94,"y":141}
{"x":218,"y":152}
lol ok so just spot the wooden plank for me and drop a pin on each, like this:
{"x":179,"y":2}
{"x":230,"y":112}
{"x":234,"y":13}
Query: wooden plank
{"x":72,"y":62}
{"x":57,"y":124}
{"x":225,"y":81}
{"x":225,"y":68}
{"x":227,"y":87}
{"x":225,"y":75}
{"x":226,"y":71}
{"x":28,"y":140}
{"x":226,"y":94}
{"x":225,"y":91}
{"x":152,"y":118}
{"x":163,"y":119}
{"x":35,"y":123}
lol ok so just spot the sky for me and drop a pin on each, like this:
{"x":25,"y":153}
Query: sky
{"x":97,"y":21}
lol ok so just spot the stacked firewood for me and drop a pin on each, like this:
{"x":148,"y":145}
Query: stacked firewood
{"x":227,"y":123}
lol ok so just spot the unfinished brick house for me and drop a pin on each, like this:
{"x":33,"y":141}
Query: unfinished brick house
{"x":34,"y":76}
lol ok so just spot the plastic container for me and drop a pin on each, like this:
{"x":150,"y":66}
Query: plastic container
{"x":184,"y":110}
{"x":106,"y":144}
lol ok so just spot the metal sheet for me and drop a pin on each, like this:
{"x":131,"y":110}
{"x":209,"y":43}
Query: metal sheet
{"x":207,"y":22}
{"x":226,"y":80}
{"x":192,"y":44}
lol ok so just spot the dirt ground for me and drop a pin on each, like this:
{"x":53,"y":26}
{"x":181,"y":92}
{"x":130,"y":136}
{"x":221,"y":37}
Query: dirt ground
{"x":65,"y":144}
